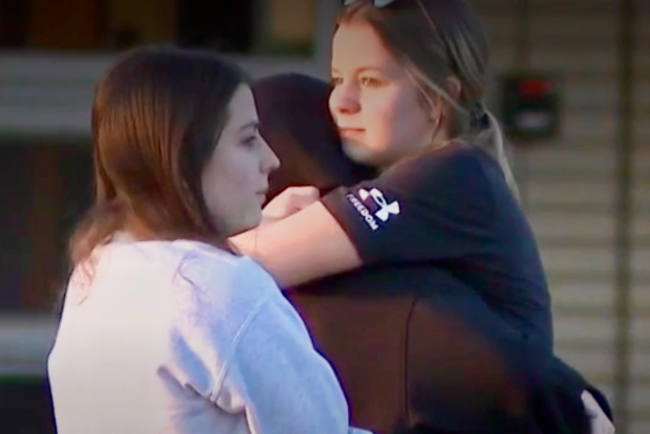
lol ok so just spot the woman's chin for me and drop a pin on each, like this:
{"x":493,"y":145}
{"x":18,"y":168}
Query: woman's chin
{"x":242,"y":225}
{"x":359,"y":153}
{"x":367,"y":156}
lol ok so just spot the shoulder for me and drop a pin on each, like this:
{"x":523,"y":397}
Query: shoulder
{"x":456,"y":179}
{"x":200,"y":285}
{"x":217,"y":299}
{"x":219,"y":284}
{"x":459,"y":164}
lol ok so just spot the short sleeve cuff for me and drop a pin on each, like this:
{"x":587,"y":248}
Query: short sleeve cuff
{"x":356,"y":220}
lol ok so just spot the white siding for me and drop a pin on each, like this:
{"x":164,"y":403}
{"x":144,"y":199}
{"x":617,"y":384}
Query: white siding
{"x":570,"y":185}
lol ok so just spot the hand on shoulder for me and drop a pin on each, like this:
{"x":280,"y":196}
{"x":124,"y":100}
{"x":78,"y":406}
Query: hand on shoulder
{"x":289,"y":202}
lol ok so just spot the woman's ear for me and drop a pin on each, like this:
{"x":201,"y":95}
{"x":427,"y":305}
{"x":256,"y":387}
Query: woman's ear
{"x":454,"y":87}
{"x":437,"y":108}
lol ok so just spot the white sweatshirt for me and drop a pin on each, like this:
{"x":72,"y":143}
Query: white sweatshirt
{"x":180,"y":337}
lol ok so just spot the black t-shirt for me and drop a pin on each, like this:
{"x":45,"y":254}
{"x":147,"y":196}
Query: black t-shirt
{"x":453,"y":210}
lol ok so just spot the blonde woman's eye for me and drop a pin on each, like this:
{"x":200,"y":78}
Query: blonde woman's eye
{"x":335,"y":81}
{"x":370,"y":82}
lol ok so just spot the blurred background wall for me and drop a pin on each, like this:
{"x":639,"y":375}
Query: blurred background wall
{"x":587,"y":190}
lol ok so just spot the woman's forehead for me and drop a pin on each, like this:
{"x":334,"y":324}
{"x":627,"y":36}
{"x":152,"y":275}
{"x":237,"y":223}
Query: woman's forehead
{"x":357,"y":46}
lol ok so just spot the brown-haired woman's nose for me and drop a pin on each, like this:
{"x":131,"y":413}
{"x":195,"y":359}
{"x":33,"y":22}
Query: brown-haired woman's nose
{"x":271,"y":161}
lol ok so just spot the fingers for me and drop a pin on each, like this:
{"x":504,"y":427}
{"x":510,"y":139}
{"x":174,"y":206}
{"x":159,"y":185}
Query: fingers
{"x":289,"y":202}
{"x":600,"y":423}
{"x":301,"y":197}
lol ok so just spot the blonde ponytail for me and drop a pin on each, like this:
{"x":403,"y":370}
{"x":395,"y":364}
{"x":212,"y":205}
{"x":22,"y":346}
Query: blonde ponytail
{"x":491,"y":140}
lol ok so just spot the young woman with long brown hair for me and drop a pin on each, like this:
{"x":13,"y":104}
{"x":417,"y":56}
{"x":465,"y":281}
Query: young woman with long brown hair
{"x":164,"y":329}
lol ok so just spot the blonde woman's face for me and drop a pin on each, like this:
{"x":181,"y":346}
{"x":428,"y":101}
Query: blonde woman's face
{"x":375,"y":103}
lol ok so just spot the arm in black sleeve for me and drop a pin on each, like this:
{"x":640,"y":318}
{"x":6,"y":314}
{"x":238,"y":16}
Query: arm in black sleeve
{"x":437,"y":206}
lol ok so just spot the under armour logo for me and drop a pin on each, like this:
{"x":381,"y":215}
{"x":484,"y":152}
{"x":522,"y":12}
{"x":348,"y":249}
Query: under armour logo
{"x":385,"y":209}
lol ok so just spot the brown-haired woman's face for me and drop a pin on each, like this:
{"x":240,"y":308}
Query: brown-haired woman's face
{"x":235,"y":180}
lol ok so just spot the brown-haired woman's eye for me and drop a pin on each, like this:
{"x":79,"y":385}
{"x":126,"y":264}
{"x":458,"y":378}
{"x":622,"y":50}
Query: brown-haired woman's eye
{"x":250,"y":141}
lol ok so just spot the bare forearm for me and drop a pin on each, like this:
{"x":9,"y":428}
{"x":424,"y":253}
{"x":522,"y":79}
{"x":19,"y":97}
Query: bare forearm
{"x":305,"y":246}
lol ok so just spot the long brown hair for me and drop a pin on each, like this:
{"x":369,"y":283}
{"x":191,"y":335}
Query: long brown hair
{"x":156,"y":118}
{"x":436,"y":40}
